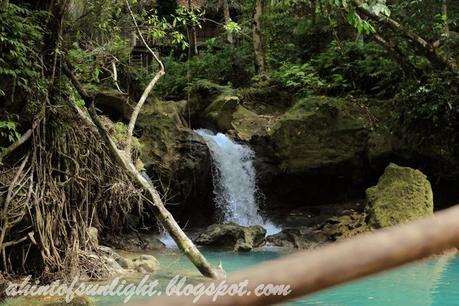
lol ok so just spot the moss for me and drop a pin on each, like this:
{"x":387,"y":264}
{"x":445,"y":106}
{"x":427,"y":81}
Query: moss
{"x":402,"y":194}
{"x":203,"y":93}
{"x":221,"y":110}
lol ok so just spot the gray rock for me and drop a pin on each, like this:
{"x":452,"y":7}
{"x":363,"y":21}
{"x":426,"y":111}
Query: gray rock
{"x":146,"y":264}
{"x":93,"y":234}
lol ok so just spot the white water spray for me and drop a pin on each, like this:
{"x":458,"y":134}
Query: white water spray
{"x":235,"y":185}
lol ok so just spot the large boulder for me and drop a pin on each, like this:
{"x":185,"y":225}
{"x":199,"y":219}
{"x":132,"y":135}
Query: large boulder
{"x":402,"y":194}
{"x":113,"y":104}
{"x":234,"y":236}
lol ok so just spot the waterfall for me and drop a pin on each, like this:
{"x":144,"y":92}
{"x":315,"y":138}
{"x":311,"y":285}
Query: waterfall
{"x":235,"y":185}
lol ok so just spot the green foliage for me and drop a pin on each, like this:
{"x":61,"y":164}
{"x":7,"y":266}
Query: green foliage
{"x":298,"y":78}
{"x":223,"y":66}
{"x":432,"y":107}
{"x":21,"y":36}
{"x":8,"y":131}
{"x":365,"y":67}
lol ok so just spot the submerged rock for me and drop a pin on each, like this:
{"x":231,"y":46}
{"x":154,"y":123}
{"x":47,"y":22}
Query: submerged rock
{"x":231,"y":235}
{"x":402,"y":194}
{"x":146,"y":264}
{"x":118,"y":264}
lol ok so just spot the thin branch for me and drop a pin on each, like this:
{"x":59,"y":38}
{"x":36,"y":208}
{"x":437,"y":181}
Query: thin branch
{"x":148,"y":89}
{"x":427,"y":48}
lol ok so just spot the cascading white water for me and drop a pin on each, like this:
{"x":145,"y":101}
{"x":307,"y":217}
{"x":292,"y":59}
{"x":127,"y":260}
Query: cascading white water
{"x":235,"y":185}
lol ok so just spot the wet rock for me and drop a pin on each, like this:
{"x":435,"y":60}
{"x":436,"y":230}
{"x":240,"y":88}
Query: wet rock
{"x":146,"y":264}
{"x":299,"y":238}
{"x":231,"y":235}
{"x":402,"y":194}
{"x":123,"y":262}
{"x":345,"y":226}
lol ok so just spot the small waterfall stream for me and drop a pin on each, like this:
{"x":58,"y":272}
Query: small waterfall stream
{"x":235,"y":186}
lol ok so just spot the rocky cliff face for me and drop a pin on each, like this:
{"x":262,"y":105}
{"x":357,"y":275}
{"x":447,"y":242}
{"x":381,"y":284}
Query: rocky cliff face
{"x":309,"y":151}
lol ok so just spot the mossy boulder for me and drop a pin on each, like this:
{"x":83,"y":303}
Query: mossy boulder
{"x":220,"y":108}
{"x":402,"y":194}
{"x":202,"y":94}
{"x":318,"y":132}
{"x":232,"y":235}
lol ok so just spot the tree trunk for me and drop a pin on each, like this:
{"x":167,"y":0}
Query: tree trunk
{"x":260,"y":57}
{"x":226,"y":12}
{"x":444,"y":12}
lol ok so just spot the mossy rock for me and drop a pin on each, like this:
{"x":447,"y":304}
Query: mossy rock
{"x":203,"y":93}
{"x":163,"y":128}
{"x":221,"y":110}
{"x":318,"y":132}
{"x":402,"y":194}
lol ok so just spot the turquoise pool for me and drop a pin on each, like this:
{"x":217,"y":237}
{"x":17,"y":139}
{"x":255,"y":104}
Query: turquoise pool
{"x":431,"y":282}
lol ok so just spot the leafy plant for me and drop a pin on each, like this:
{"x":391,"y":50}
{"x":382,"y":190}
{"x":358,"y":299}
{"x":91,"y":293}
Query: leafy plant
{"x":20,"y":34}
{"x":8,"y":131}
{"x":299,"y":78}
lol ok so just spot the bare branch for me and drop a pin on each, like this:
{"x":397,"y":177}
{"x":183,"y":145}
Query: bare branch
{"x":148,"y":89}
